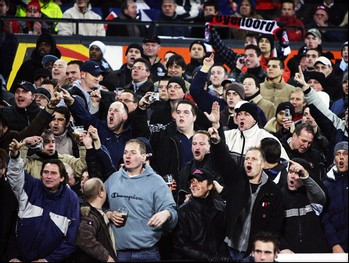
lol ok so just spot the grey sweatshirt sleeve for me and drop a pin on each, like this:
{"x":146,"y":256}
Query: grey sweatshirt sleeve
{"x":314,"y":192}
{"x":15,"y":175}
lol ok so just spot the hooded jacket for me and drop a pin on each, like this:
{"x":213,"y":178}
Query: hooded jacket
{"x":28,"y":67}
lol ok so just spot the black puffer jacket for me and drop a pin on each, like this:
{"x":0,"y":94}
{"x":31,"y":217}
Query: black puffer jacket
{"x":200,"y":232}
{"x":19,"y":118}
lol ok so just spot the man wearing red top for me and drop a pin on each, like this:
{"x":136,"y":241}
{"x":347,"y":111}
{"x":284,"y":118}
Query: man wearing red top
{"x":288,"y":16}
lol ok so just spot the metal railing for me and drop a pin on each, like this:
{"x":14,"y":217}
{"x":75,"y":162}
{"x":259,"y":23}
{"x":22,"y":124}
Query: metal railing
{"x":144,"y":23}
{"x":172,"y":40}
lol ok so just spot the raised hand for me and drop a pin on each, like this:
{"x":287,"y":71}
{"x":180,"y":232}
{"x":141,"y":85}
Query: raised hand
{"x":214,"y":134}
{"x":68,"y":99}
{"x":214,"y":116}
{"x":299,"y":77}
{"x":299,"y":169}
{"x":96,"y":97}
{"x":209,"y":61}
{"x":14,"y":147}
{"x":93,"y":132}
{"x":145,"y":102}
{"x":55,"y":98}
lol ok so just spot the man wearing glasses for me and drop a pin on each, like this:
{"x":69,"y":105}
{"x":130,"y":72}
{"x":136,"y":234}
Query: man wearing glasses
{"x":141,"y":82}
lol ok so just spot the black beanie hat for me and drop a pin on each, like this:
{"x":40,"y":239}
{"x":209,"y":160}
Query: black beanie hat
{"x":250,"y":108}
{"x":319,"y":76}
{"x":270,"y":37}
{"x":137,"y":46}
{"x":179,"y":81}
{"x":285,"y":105}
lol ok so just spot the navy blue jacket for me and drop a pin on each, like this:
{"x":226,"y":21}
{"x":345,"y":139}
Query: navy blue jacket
{"x":113,"y":143}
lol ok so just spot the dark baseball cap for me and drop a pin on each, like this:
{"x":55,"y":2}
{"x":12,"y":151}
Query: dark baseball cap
{"x":91,"y":67}
{"x":202,"y":174}
{"x":26,"y":86}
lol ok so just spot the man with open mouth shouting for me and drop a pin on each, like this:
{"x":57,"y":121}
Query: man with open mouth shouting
{"x":335,"y":218}
{"x":253,"y":202}
{"x":304,"y":202}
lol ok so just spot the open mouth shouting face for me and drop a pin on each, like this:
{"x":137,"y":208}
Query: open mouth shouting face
{"x":253,"y":165}
{"x":341,"y":160}
{"x":293,"y":180}
{"x":23,"y":98}
{"x":245,"y":120}
{"x":116,"y":116}
{"x":200,"y":146}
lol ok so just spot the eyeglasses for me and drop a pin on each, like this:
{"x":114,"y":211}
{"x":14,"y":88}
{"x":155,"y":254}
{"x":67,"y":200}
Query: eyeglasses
{"x":138,"y":68}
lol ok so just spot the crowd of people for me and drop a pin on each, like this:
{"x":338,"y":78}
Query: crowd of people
{"x":230,"y":157}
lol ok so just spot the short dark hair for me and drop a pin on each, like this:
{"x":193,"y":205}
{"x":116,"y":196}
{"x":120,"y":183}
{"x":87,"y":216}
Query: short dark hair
{"x":131,"y":92}
{"x":124,"y":5}
{"x":75,"y":61}
{"x":143,"y":60}
{"x":317,"y":49}
{"x":288,"y":2}
{"x":178,"y":59}
{"x":251,"y":34}
{"x":256,"y":81}
{"x":62,"y":171}
{"x":52,"y":82}
{"x":194,"y":109}
{"x":65,"y":111}
{"x":267,"y":237}
{"x":255,"y":48}
{"x":272,"y":149}
{"x":281,"y":63}
{"x":211,"y":3}
{"x":218,"y":65}
{"x":7,"y":2}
